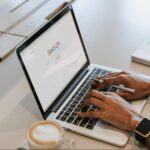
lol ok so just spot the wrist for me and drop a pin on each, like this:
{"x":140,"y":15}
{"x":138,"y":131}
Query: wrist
{"x":134,"y":123}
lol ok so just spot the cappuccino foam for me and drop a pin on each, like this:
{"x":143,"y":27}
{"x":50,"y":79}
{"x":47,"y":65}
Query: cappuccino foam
{"x":45,"y":133}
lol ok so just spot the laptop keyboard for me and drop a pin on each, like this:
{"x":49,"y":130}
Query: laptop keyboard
{"x":69,"y":112}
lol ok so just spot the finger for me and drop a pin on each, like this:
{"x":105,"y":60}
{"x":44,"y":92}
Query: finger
{"x":123,"y":94}
{"x":106,"y":80}
{"x":91,"y":114}
{"x":114,"y":80}
{"x":97,"y":94}
{"x":88,"y":95}
{"x":107,"y":93}
{"x":94,"y":84}
{"x":93,"y":101}
{"x":109,"y":75}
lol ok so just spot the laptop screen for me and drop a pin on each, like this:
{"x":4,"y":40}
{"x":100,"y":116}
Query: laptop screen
{"x":53,"y":59}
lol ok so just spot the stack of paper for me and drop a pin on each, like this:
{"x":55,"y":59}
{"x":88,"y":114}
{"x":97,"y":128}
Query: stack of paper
{"x":142,"y":55}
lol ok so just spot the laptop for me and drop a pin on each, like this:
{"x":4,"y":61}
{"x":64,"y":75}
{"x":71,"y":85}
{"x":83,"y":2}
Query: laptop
{"x":58,"y":70}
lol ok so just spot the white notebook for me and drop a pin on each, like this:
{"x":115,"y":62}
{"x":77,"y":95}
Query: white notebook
{"x":142,"y":54}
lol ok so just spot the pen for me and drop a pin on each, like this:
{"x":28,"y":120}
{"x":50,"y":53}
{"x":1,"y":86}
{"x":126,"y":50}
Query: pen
{"x":117,"y":86}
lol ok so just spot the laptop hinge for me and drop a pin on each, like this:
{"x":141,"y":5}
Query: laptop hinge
{"x":60,"y":100}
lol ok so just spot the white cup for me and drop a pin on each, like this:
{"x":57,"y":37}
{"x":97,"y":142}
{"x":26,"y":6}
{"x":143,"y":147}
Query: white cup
{"x":45,"y":135}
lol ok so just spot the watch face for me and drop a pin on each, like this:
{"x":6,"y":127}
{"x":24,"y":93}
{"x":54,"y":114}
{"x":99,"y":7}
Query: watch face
{"x":142,"y":131}
{"x":143,"y":128}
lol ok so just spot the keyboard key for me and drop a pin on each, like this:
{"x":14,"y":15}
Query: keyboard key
{"x":69,"y":110}
{"x":104,"y":72}
{"x":86,"y":88}
{"x":86,"y":79}
{"x":90,"y":126}
{"x":80,"y":88}
{"x":77,"y":110}
{"x":82,"y":85}
{"x":73,"y":96}
{"x":77,"y":99}
{"x":98,"y":71}
{"x":76,"y":93}
{"x":71,"y":100}
{"x":77,"y":120}
{"x":84,"y":122}
{"x":70,"y":119}
{"x":84,"y":82}
{"x":75,"y":102}
{"x":85,"y":109}
{"x":89,"y":76}
{"x":79,"y":106}
{"x":81,"y":95}
{"x":66,"y":114}
{"x":63,"y":118}
{"x":93,"y":122}
{"x":113,"y":89}
{"x":68,"y":104}
{"x":106,"y":89}
{"x":61,"y":112}
{"x":73,"y":115}
{"x":94,"y":69}
{"x":72,"y":106}
{"x":58,"y":117}
{"x":64,"y":109}
{"x":94,"y":76}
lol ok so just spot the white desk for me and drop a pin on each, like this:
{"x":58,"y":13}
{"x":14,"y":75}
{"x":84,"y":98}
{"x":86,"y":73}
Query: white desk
{"x":112,"y":30}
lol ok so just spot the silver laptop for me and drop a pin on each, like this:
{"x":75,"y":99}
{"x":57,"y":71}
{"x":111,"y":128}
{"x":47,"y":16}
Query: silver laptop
{"x":58,"y":70}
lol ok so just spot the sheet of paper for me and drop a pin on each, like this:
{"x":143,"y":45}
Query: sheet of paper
{"x":36,"y":19}
{"x":7,"y":5}
{"x":16,"y":15}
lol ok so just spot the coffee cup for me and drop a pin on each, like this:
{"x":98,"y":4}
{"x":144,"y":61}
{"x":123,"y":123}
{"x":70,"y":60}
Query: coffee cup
{"x":45,"y":135}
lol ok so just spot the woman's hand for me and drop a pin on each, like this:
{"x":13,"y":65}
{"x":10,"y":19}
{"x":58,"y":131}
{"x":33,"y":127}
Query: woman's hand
{"x":112,"y":109}
{"x":141,"y":85}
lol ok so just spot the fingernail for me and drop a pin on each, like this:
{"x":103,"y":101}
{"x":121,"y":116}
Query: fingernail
{"x":79,"y":114}
{"x":81,"y":105}
{"x":98,"y":77}
{"x":101,"y":81}
{"x":106,"y":93}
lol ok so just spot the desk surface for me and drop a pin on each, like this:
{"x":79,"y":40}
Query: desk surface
{"x":112,"y":30}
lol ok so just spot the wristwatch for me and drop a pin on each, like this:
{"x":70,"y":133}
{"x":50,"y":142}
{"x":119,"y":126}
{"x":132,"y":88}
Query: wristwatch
{"x":142,"y":131}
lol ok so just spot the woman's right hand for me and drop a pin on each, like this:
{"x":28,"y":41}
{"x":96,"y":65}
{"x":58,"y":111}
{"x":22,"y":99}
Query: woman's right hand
{"x":140,"y":84}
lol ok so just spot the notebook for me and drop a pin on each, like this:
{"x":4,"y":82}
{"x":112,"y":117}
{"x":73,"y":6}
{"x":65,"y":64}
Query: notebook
{"x":142,"y":54}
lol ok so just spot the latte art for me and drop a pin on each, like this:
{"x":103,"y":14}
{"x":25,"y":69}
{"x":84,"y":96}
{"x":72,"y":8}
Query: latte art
{"x":46,"y":133}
